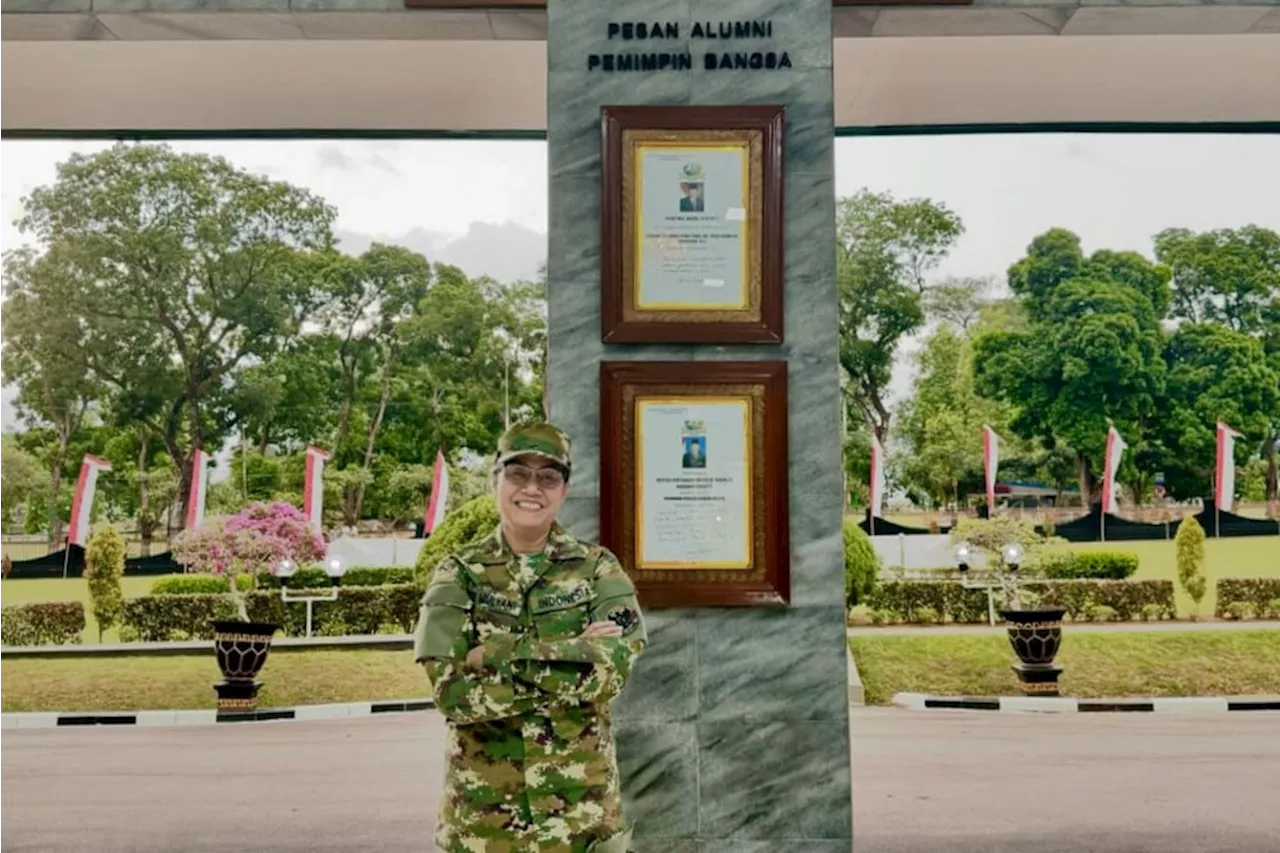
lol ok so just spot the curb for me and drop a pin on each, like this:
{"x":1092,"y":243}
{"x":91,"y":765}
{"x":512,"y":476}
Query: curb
{"x":1069,"y":705}
{"x":200,"y":647}
{"x":857,"y":696}
{"x":209,"y":716}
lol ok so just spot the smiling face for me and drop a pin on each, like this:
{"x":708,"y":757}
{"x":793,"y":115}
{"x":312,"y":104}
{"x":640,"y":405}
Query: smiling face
{"x":530,"y":492}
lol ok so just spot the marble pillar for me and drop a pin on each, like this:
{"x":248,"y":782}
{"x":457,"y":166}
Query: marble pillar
{"x":734,"y":733}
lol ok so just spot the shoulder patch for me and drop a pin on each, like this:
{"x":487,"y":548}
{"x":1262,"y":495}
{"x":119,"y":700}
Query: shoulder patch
{"x":622,"y":616}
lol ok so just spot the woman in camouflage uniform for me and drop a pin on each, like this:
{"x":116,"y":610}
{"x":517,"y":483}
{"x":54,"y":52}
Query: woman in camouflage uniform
{"x":527,"y":636}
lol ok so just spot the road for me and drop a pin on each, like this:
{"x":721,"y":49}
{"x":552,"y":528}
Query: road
{"x":936,"y":781}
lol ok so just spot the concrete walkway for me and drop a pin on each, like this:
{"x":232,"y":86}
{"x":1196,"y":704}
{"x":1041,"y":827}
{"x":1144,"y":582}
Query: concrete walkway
{"x":1074,"y":627}
{"x":944,"y":782}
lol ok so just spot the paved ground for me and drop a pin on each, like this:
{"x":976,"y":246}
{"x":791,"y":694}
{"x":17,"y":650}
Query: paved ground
{"x":1073,"y":627}
{"x":983,"y":782}
{"x":941,"y":782}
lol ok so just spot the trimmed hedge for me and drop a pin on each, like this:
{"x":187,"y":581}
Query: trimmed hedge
{"x":389,"y":608}
{"x":1254,"y":597}
{"x":54,"y":624}
{"x":307,"y":578}
{"x":905,"y":600}
{"x":1092,"y":565}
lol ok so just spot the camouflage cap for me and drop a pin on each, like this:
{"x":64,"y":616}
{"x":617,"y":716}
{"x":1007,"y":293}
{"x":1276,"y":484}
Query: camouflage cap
{"x":534,"y":439}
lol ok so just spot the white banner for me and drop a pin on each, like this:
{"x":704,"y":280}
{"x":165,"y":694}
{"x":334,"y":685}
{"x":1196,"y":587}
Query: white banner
{"x":82,"y":503}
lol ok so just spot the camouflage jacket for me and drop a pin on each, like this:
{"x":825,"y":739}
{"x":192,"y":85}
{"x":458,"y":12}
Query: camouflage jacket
{"x":530,"y":753}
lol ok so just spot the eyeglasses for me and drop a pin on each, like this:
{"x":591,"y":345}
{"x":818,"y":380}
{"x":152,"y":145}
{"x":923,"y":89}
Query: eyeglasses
{"x":546,"y":478}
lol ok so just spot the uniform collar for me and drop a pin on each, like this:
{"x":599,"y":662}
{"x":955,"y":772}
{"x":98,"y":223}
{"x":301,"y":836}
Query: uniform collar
{"x":493,"y":550}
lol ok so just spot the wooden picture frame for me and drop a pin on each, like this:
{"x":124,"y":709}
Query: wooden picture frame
{"x":713,"y":177}
{"x":690,"y":534}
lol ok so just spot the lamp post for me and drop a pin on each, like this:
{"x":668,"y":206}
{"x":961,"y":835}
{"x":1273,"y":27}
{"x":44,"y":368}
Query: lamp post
{"x":334,"y":568}
{"x":963,"y":555}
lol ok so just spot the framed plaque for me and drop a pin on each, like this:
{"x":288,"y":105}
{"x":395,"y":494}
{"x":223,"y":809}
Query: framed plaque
{"x":693,"y":480}
{"x":691,"y":217}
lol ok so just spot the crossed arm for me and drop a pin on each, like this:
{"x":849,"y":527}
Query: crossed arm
{"x":512,"y":674}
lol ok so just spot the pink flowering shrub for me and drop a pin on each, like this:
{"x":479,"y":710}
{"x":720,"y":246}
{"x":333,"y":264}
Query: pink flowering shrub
{"x":258,"y":538}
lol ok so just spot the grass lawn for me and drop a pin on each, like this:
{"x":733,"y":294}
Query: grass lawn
{"x":1183,"y":663}
{"x":291,"y":677}
{"x":1243,"y":557}
{"x":45,"y":590}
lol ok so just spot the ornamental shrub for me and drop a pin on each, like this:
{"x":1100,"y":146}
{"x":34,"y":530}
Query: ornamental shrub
{"x":255,"y":540}
{"x":1189,"y":543}
{"x":474,"y":520}
{"x":53,"y":624}
{"x":861,"y":564}
{"x":103,"y":569}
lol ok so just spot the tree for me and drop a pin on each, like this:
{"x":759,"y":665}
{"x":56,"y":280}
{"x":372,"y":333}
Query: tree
{"x":55,"y":387}
{"x":1092,"y":354}
{"x":22,"y":476}
{"x":885,"y":250}
{"x":941,"y":424}
{"x":1214,"y":374}
{"x":1189,"y":545}
{"x":1228,"y":276}
{"x":1231,"y":277}
{"x":177,"y":270}
{"x":103,"y":568}
{"x":958,"y":301}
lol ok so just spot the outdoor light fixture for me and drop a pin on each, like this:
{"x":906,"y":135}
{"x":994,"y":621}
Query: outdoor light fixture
{"x":963,"y":552}
{"x":286,"y":569}
{"x":1012,"y":555}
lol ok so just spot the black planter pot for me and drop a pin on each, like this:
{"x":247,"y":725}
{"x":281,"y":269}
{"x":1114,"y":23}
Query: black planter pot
{"x":241,"y":649}
{"x":1035,"y":636}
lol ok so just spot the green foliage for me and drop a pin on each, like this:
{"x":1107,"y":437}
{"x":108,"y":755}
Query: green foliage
{"x":55,"y":624}
{"x":942,"y":422}
{"x":1093,"y":352}
{"x":21,"y":476}
{"x":103,"y":568}
{"x":1215,"y":373}
{"x":169,"y":273}
{"x":990,"y":535}
{"x":471,"y":521}
{"x":1260,"y":594}
{"x":197,"y":584}
{"x":885,"y":248}
{"x":861,"y":564}
{"x":1100,"y":565}
{"x":1188,"y":542}
{"x":308,"y":577}
{"x":391,"y":608}
{"x":377,"y":575}
{"x":901,"y":600}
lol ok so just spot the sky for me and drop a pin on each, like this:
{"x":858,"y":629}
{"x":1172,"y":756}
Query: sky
{"x":483,"y":205}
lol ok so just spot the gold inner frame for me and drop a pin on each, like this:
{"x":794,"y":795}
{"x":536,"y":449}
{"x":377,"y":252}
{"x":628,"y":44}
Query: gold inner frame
{"x":632,"y":140}
{"x":756,"y":571}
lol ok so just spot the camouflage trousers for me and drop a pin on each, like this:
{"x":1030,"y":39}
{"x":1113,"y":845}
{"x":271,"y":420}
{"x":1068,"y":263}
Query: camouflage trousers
{"x":530,"y":843}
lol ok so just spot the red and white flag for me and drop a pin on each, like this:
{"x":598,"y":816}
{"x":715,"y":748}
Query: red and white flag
{"x":1115,"y":450}
{"x":439,"y":495}
{"x":877,"y":478}
{"x":82,"y":503}
{"x":1224,"y":483}
{"x":313,"y":485}
{"x":199,"y":488}
{"x":990,"y":464}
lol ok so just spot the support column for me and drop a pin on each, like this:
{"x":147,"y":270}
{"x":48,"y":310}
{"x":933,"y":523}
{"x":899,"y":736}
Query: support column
{"x":734,"y":733}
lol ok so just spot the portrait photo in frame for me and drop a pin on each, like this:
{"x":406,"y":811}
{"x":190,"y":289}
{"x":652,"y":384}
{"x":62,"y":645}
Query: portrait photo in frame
{"x":693,"y":480}
{"x":691,"y":224}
